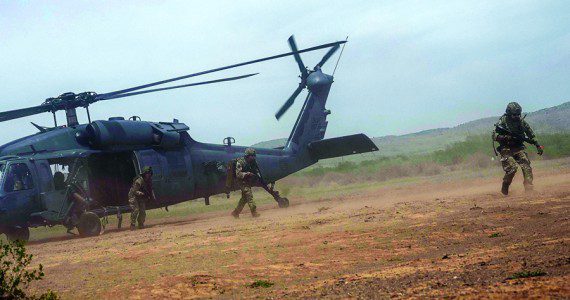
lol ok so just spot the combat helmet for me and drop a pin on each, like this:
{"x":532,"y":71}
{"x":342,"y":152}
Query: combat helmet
{"x":513,"y":109}
{"x":249,"y":152}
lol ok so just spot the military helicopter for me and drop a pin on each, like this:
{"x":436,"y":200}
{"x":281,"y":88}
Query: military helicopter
{"x":102,"y":157}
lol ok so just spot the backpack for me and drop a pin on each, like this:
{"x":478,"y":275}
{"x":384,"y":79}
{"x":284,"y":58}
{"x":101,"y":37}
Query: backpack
{"x":231,"y":174}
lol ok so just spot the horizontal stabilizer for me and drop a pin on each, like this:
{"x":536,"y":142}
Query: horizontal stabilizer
{"x":341,"y":146}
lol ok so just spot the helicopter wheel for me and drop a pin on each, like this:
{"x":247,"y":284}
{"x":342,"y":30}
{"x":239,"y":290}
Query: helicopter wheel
{"x":17,"y":233}
{"x":89,"y":224}
{"x":283,"y":202}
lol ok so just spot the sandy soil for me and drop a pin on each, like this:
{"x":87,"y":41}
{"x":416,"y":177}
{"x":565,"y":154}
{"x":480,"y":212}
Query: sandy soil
{"x":453,"y":238}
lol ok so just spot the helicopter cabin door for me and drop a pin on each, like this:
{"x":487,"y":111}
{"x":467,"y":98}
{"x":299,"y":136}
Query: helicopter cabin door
{"x":150,"y":158}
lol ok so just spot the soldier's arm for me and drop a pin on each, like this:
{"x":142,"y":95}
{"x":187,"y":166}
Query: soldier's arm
{"x":501,"y":138}
{"x":529,"y":132}
{"x":138,"y":188}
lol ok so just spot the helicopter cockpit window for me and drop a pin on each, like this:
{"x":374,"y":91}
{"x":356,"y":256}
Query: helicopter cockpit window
{"x":18,"y":178}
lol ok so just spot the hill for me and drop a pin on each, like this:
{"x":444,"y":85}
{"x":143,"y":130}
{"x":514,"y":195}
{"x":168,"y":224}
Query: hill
{"x":549,"y":120}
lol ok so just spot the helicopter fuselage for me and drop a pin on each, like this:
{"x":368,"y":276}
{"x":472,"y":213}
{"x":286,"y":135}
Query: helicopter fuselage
{"x":183,"y":168}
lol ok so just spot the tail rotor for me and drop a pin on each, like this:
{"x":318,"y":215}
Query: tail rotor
{"x":304,"y":73}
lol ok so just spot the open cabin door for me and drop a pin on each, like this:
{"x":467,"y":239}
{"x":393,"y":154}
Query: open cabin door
{"x":143,"y":158}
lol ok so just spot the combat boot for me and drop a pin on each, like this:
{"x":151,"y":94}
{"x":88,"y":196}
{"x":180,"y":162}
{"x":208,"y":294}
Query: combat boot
{"x":255,"y":214}
{"x":505,"y":189}
{"x":235,"y":214}
{"x":133,"y":227}
{"x":528,"y":188}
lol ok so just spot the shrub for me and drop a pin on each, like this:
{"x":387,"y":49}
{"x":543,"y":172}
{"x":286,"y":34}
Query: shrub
{"x":15,"y":274}
{"x":472,"y":154}
{"x":527,"y":274}
{"x":261,"y":283}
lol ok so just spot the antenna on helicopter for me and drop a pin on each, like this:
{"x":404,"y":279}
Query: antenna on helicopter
{"x":71,"y":101}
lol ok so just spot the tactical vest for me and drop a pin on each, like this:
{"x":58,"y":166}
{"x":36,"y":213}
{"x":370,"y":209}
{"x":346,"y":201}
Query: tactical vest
{"x":231,"y":177}
{"x":515,"y":127}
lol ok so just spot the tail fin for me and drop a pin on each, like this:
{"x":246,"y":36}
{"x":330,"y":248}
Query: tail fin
{"x":311,"y":123}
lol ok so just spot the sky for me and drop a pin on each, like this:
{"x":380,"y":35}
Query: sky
{"x":407,"y":66}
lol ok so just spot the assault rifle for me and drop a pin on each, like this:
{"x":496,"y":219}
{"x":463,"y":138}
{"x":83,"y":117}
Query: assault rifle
{"x":505,"y":131}
{"x":281,"y":201}
{"x":499,"y":129}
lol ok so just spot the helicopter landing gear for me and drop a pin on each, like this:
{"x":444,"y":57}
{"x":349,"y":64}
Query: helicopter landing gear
{"x":282,"y":202}
{"x":89,"y":224}
{"x":21,"y":233}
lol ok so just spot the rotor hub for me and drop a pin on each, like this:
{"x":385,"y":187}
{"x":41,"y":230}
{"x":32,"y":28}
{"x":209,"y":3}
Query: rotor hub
{"x":317,"y":80}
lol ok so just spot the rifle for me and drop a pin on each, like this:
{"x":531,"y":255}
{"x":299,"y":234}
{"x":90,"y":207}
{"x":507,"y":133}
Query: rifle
{"x":503,"y":130}
{"x":281,"y":201}
{"x":150,"y":193}
{"x":522,"y":138}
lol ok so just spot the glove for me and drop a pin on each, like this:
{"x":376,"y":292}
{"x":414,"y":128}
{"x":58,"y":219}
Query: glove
{"x":539,"y":149}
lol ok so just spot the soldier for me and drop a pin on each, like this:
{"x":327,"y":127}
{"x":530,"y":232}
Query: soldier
{"x":511,"y":147}
{"x":139,"y":194}
{"x":246,"y":172}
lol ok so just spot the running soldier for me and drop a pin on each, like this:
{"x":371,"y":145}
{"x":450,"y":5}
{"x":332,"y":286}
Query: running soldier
{"x":247,"y":172}
{"x":511,"y":131}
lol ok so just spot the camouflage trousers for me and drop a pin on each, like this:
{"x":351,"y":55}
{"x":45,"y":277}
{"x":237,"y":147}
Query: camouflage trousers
{"x":246,"y":198}
{"x":138,"y":213}
{"x":511,"y":160}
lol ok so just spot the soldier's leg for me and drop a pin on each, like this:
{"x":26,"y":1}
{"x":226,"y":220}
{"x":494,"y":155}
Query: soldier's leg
{"x":134,"y":211}
{"x":142,"y":214}
{"x":241,"y":203}
{"x":522,"y":159}
{"x":249,"y":198}
{"x":510,"y":167}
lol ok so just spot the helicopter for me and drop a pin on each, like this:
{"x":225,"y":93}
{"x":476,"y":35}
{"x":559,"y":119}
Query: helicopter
{"x":103,"y":156}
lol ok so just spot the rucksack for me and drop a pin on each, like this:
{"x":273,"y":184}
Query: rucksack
{"x":231,"y":174}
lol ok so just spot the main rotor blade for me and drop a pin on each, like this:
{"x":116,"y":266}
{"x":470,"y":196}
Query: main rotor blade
{"x":327,"y":56}
{"x":178,"y":86}
{"x":220,"y":69}
{"x":23,"y":112}
{"x":293,"y":46}
{"x":289,"y":101}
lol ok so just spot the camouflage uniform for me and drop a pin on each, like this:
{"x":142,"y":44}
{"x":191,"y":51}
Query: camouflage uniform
{"x":512,"y":151}
{"x":139,"y":194}
{"x":245,"y":183}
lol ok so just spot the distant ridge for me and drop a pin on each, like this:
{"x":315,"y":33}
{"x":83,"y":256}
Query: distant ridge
{"x":547,"y":120}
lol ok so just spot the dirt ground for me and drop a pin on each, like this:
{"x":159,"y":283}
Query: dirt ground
{"x":425,"y":238}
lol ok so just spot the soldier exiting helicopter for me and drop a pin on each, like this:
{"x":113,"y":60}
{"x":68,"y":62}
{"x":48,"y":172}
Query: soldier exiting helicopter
{"x":511,"y":131}
{"x":141,"y":191}
{"x":246,"y":173}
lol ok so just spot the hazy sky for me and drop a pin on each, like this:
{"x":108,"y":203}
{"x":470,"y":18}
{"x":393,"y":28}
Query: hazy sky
{"x":408,"y":66}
